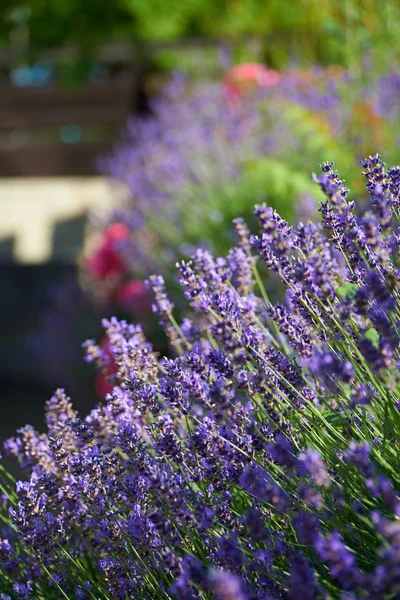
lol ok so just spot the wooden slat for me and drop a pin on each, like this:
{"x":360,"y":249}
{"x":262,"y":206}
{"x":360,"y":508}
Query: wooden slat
{"x":109,"y":53}
{"x":52,"y":160}
{"x":55,"y":94}
{"x":51,"y":105}
{"x":37,"y":116}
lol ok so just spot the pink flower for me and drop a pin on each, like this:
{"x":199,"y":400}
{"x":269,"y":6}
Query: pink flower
{"x":105,"y":260}
{"x":133,"y":295}
{"x":116,"y":231}
{"x":102,"y":384}
{"x":247,"y":76}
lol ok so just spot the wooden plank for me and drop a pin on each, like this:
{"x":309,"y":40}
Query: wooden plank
{"x":56,"y":95}
{"x":38,"y":116}
{"x":108,"y":53}
{"x":50,"y":105}
{"x":52,"y":160}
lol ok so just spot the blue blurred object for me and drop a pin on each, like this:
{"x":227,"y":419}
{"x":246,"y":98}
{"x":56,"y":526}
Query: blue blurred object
{"x":70,"y":134}
{"x":22,"y":76}
{"x":39,"y":74}
{"x":42,"y":72}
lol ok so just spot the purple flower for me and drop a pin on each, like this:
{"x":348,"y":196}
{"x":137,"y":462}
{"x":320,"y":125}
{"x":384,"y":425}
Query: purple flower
{"x":341,"y":562}
{"x":258,"y":483}
{"x":362,"y":394}
{"x":302,"y":582}
{"x":358,"y":454}
{"x":331,"y":370}
{"x":308,"y":527}
{"x":23,"y":590}
{"x":313,"y":465}
{"x":226,"y":586}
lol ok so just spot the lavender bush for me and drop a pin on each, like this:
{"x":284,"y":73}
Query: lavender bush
{"x":206,"y":153}
{"x":204,"y":156}
{"x":262,"y":462}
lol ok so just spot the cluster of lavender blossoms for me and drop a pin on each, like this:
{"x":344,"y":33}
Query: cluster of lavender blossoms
{"x":263,"y":461}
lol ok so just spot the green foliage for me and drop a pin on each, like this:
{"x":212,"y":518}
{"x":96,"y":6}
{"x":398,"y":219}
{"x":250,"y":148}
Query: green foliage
{"x":347,"y":290}
{"x":313,"y":133}
{"x":57,"y":23}
{"x":207,"y":213}
{"x":300,"y":30}
{"x":373,"y":336}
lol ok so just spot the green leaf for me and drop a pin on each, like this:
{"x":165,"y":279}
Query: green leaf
{"x":373,"y":336}
{"x":347,"y":290}
{"x":334,"y":418}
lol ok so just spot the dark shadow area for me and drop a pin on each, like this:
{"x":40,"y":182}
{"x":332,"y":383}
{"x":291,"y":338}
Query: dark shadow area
{"x":6,"y":249}
{"x":68,"y":238}
{"x":35,"y":342}
{"x":24,"y":292}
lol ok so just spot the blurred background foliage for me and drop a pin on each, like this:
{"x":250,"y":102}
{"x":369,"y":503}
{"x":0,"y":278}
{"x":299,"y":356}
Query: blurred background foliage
{"x":304,"y":31}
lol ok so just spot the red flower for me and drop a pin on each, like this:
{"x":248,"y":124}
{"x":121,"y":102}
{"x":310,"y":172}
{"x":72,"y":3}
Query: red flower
{"x":133,"y":295}
{"x":105,"y":260}
{"x":247,"y":76}
{"x":116,"y":231}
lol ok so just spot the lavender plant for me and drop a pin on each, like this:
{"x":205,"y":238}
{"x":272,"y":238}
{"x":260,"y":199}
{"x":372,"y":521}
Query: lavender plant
{"x":262,"y":462}
{"x":204,"y":156}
